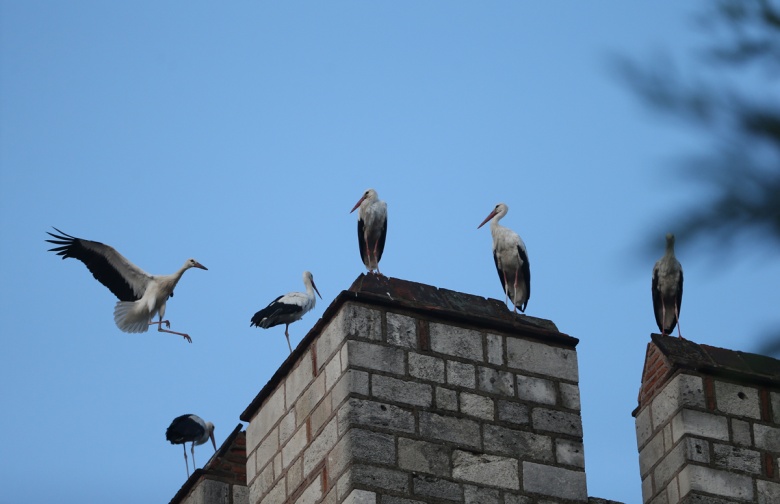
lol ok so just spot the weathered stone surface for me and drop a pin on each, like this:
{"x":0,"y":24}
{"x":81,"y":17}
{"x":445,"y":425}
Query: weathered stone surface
{"x":366,"y":355}
{"x":277,"y":494}
{"x":775,"y":400}
{"x":461,"y":375}
{"x":516,"y":499}
{"x":294,"y":475}
{"x":698,"y":450}
{"x":298,"y":379}
{"x":294,"y":446}
{"x":461,"y":431}
{"x":446,"y":399}
{"x":357,"y":496}
{"x":490,"y":470}
{"x":704,"y":479}
{"x":380,"y":477}
{"x":570,"y":396}
{"x":210,"y":491}
{"x":332,"y":371}
{"x":510,"y":411}
{"x":652,"y":452}
{"x":516,"y":443}
{"x":313,"y":492}
{"x":570,"y":453}
{"x":494,"y":381}
{"x":737,"y":459}
{"x":287,"y":426}
{"x":766,"y":437}
{"x":768,"y":492}
{"x":422,"y":456}
{"x":272,"y":410}
{"x":361,"y":322}
{"x":321,"y":414}
{"x":536,"y":390}
{"x":402,"y":391}
{"x":267,"y":449}
{"x":554,"y":481}
{"x":456,"y":341}
{"x":699,"y":424}
{"x":431,"y":486}
{"x":476,"y":406}
{"x":669,"y":465}
{"x":426,"y":367}
{"x":351,"y":382}
{"x":495,"y":349}
{"x":737,"y":400}
{"x":389,"y":499}
{"x":682,"y":391}
{"x":309,"y":399}
{"x":644,"y":428}
{"x":401,"y":330}
{"x":556,"y":421}
{"x":369,"y":446}
{"x":357,"y":412}
{"x":479,"y":495}
{"x":541,"y":358}
{"x":740,"y":432}
{"x":319,"y":447}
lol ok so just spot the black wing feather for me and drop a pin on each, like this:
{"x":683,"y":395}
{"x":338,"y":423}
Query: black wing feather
{"x":381,"y":247}
{"x":183,"y":429}
{"x":98,"y":265}
{"x":527,"y":275}
{"x":362,"y":241}
{"x":269,"y":316}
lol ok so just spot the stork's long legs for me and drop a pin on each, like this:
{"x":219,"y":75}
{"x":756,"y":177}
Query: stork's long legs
{"x":187,"y":464}
{"x":194,"y":464}
{"x":287,"y":335}
{"x":677,"y":316}
{"x":515,"y":291}
{"x":168,"y":324}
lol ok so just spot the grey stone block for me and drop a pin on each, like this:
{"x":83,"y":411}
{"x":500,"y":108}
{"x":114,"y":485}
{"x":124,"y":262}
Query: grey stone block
{"x":401,"y":330}
{"x":509,"y":411}
{"x":652,"y":452}
{"x":402,"y":391}
{"x":699,"y":424}
{"x":310,"y":398}
{"x":456,"y":341}
{"x":446,"y":399}
{"x":480,"y":495}
{"x":768,"y":492}
{"x":272,"y":410}
{"x":370,"y":446}
{"x":494,"y":381}
{"x":380,"y":477}
{"x":517,"y":443}
{"x":556,"y":421}
{"x":312,"y":494}
{"x":740,"y":433}
{"x":371,"y":356}
{"x":766,"y":437}
{"x":737,"y":400}
{"x":389,"y":499}
{"x":737,"y":459}
{"x":570,"y":396}
{"x":536,"y":390}
{"x":358,"y":496}
{"x":461,"y":431}
{"x":476,"y":406}
{"x":694,"y":478}
{"x":425,"y":457}
{"x":426,"y":367}
{"x":431,"y":486}
{"x":541,"y":358}
{"x":698,"y":450}
{"x":298,"y":379}
{"x":362,"y":412}
{"x":516,"y":499}
{"x":461,"y":375}
{"x":554,"y":482}
{"x":319,"y":447}
{"x":669,"y":465}
{"x":570,"y":453}
{"x":775,"y":400}
{"x":490,"y":470}
{"x":240,"y":494}
{"x":351,"y":382}
{"x":495,"y":349}
{"x":294,"y":446}
{"x":644,"y":427}
{"x":681,"y":391}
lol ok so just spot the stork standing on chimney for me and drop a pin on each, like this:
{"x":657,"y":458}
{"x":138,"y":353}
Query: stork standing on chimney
{"x":667,"y":290}
{"x":371,"y":228}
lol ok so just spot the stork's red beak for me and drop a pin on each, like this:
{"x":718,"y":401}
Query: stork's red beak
{"x":356,"y":206}
{"x":492,"y":214}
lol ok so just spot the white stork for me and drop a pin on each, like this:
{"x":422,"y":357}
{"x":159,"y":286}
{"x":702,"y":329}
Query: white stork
{"x":288,"y":308}
{"x":667,"y":290}
{"x":372,"y":228}
{"x":141,"y":295}
{"x":190,"y":429}
{"x":511,"y":259}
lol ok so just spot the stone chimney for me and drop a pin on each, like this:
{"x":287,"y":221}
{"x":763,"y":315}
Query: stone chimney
{"x":708,"y":425}
{"x":408,"y":394}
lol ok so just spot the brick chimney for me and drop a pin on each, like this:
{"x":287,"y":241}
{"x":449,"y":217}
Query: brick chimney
{"x":408,"y":394}
{"x":708,"y":425}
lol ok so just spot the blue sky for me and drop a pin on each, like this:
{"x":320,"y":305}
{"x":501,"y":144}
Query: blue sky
{"x":242,"y":133}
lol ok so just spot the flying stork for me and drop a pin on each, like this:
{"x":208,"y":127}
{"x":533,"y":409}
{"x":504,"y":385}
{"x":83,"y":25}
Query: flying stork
{"x":511,"y":259}
{"x":288,"y":308}
{"x":141,"y":295}
{"x":667,"y":290}
{"x":190,"y":429}
{"x":372,"y":228}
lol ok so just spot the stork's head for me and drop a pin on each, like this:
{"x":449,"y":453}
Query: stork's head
{"x":669,"y":241}
{"x":308,"y":278}
{"x":192,"y":263}
{"x":210,"y":428}
{"x":500,"y":211}
{"x":369,"y":196}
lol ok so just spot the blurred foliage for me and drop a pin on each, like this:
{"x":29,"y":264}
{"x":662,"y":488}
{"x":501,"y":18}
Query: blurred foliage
{"x":734,"y":99}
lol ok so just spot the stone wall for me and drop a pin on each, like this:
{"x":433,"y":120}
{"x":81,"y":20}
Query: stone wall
{"x":387,"y":405}
{"x":709,"y":433}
